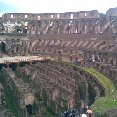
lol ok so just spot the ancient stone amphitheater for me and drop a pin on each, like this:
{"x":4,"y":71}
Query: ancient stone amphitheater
{"x":83,"y":66}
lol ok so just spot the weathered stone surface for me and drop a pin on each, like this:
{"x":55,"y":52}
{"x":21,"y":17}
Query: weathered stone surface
{"x":83,"y":37}
{"x":111,"y":113}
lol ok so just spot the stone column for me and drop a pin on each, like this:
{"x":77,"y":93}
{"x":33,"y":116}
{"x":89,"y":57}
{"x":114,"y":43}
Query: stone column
{"x":7,"y":64}
{"x":30,"y":63}
{"x":17,"y":65}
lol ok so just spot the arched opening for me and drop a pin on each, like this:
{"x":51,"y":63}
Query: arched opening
{"x":30,"y":43}
{"x":71,"y":58}
{"x":3,"y":47}
{"x":18,"y":30}
{"x":72,"y":16}
{"x":111,"y":61}
{"x":17,"y":48}
{"x":12,"y":52}
{"x":13,"y":66}
{"x":25,"y":30}
{"x":59,"y":52}
{"x":3,"y":66}
{"x":29,"y":109}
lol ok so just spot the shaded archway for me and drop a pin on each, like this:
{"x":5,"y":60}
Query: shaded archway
{"x":29,"y":109}
{"x":12,"y":52}
{"x":3,"y":47}
{"x":18,"y":30}
{"x":24,"y":30}
{"x":13,"y":66}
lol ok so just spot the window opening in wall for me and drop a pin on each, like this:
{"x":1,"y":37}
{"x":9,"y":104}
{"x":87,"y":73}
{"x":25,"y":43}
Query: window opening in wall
{"x":71,"y":16}
{"x":51,"y":16}
{"x":58,"y":16}
{"x":12,"y":40}
{"x":38,"y":17}
{"x":25,"y":16}
{"x":104,"y":42}
{"x":18,"y":30}
{"x":51,"y":23}
{"x":11,"y":16}
{"x":70,"y":23}
{"x":18,"y":40}
{"x":85,"y":14}
{"x":59,"y":52}
{"x":3,"y":47}
{"x":25,"y":23}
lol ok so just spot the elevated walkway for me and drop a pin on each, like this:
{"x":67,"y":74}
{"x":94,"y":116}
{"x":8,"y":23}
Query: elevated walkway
{"x":18,"y":59}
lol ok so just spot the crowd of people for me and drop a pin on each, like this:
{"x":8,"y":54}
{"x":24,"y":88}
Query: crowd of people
{"x":82,"y":112}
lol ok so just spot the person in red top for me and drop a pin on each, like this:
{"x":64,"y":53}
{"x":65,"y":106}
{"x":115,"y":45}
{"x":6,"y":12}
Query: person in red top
{"x":89,"y":112}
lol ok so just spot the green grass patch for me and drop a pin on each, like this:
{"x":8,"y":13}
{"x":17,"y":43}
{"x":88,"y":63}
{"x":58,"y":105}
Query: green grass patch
{"x":107,"y":83}
{"x":8,"y":98}
{"x":102,"y":104}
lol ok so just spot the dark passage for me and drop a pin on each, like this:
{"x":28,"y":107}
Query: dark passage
{"x":29,"y":109}
{"x":3,"y":47}
{"x":92,"y":95}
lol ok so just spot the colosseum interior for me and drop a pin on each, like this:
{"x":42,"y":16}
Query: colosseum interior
{"x":81,"y":69}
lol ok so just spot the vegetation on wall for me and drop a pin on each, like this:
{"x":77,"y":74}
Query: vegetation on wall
{"x":8,"y":97}
{"x":102,"y":104}
{"x":40,"y":102}
{"x":107,"y":102}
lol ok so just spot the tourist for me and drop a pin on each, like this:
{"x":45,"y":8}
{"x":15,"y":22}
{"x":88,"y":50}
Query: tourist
{"x":89,"y":112}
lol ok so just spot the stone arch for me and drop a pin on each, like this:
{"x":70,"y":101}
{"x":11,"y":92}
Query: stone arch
{"x":30,"y":43}
{"x":29,"y":108}
{"x":17,"y":48}
{"x":25,"y":30}
{"x":11,"y":52}
{"x":19,"y":30}
{"x":59,"y":52}
{"x":3,"y":47}
{"x":71,"y":58}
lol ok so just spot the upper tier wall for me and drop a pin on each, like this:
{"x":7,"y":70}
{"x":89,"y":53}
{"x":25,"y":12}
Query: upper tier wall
{"x":42,"y":16}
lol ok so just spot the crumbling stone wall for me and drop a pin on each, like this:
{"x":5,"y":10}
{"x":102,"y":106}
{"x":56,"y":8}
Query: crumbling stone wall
{"x":110,"y":113}
{"x":46,"y":16}
{"x":72,"y":26}
{"x":56,"y":23}
{"x":108,"y":70}
{"x":14,"y":43}
{"x":22,"y":94}
{"x":61,"y":86}
{"x":112,"y":13}
{"x":76,"y":48}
